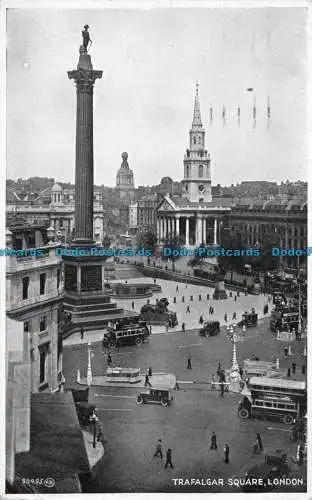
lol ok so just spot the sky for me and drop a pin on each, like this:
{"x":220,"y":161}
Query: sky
{"x":151,"y":60}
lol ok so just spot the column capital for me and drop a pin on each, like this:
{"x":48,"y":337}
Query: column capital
{"x":84,"y":79}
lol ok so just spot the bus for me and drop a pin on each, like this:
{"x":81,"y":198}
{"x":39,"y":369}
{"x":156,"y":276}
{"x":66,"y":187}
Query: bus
{"x":125,"y":334}
{"x":285,"y":400}
{"x":118,"y":374}
{"x":286,"y":319}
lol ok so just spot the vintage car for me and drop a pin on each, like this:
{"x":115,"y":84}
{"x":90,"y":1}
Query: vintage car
{"x":157,"y":394}
{"x":209,"y":329}
{"x":249,"y":319}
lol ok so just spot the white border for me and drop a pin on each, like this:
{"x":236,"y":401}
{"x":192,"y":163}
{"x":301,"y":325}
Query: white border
{"x":146,"y":5}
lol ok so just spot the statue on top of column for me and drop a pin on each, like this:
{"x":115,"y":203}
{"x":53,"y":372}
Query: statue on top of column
{"x":86,"y":40}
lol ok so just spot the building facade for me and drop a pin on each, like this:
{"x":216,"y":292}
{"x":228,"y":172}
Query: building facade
{"x":125,"y":179}
{"x":33,"y":297}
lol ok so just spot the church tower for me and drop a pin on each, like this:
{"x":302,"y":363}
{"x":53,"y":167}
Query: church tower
{"x":196,"y":184}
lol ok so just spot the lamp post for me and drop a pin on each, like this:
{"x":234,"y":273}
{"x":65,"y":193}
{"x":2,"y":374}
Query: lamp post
{"x":234,"y":372}
{"x":94,"y":419}
{"x":89,"y":371}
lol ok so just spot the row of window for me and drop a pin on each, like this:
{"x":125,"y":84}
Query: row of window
{"x":280,"y":406}
{"x":272,"y":228}
{"x":200,"y":171}
{"x":43,"y":352}
{"x":129,"y":333}
{"x":43,"y":277}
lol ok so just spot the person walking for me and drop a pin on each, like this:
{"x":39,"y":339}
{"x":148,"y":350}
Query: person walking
{"x":226,"y":453}
{"x":213,"y":444}
{"x":212,"y":309}
{"x":147,"y":382}
{"x":234,"y":315}
{"x":225,"y":317}
{"x":177,"y":289}
{"x":208,"y":296}
{"x":132,"y":305}
{"x":150,"y":373}
{"x":286,"y":352}
{"x":259,"y":441}
{"x":189,"y":363}
{"x":82,"y":332}
{"x":303,"y":369}
{"x":174,"y":300}
{"x":288,"y":372}
{"x":201,"y":319}
{"x":109,"y":358}
{"x":158,"y":451}
{"x":183,"y":327}
{"x":154,"y":281}
{"x":168,"y":459}
{"x":222,"y":389}
{"x":293,"y":366}
{"x":235,"y":298}
{"x":188,"y":310}
{"x":183,"y":298}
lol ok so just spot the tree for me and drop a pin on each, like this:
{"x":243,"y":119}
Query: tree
{"x":106,"y":242}
{"x":232,"y":240}
{"x":173,"y":242}
{"x":147,"y":240}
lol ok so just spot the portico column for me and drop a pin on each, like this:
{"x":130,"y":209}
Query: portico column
{"x":158,"y":229}
{"x":198,"y":230}
{"x":178,"y":225}
{"x":162,"y":227}
{"x":215,"y":232}
{"x":204,"y":230}
{"x":187,"y":231}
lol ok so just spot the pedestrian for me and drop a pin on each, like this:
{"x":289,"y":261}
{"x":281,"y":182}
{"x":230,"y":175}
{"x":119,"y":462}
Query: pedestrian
{"x":212,"y":309}
{"x":222,"y":389}
{"x":201,"y":319}
{"x":147,"y":382}
{"x":177,"y":289}
{"x":189,"y":363}
{"x":259,"y":441}
{"x":235,"y":298}
{"x":132,"y":305}
{"x":219,"y":369}
{"x":81,"y":333}
{"x":241,"y":372}
{"x":234,"y":315}
{"x":154,"y":281}
{"x":222,"y":376}
{"x":167,"y":327}
{"x":238,"y":294}
{"x":150,"y":330}
{"x":213,"y":444}
{"x":174,"y":300}
{"x":183,"y":327}
{"x":231,"y":294}
{"x":225,"y":317}
{"x":109,"y":358}
{"x":150,"y":373}
{"x":301,"y":456}
{"x":303,"y":369}
{"x":293,"y":367}
{"x":191,"y":298}
{"x":158,"y":450}
{"x":208,"y":296}
{"x":188,"y":309}
{"x":183,"y":298}
{"x":226,"y":453}
{"x":199,"y":297}
{"x":288,"y":372}
{"x":285,"y":351}
{"x":168,"y":459}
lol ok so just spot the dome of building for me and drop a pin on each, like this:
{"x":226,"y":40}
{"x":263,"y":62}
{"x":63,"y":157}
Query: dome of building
{"x":56,"y":188}
{"x":166,"y":180}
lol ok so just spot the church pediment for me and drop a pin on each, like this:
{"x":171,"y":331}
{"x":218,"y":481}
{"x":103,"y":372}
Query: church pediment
{"x":166,"y":207}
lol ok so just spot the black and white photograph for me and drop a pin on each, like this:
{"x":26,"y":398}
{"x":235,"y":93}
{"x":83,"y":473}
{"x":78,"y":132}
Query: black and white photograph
{"x":155,"y":255}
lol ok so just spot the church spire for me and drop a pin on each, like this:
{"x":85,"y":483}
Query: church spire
{"x":197,"y":123}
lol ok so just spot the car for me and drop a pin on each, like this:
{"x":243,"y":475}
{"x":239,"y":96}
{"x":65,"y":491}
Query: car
{"x":161,"y":395}
{"x":275,"y":467}
{"x":249,"y":319}
{"x":210,"y":328}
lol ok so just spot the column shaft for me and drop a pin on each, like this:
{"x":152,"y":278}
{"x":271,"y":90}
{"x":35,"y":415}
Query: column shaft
{"x":187,"y":231}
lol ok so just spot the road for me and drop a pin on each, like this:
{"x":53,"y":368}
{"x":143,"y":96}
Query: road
{"x":132,"y":431}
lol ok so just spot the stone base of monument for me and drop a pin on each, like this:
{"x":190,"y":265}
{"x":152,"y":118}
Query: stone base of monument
{"x":220,"y":293}
{"x":235,"y":386}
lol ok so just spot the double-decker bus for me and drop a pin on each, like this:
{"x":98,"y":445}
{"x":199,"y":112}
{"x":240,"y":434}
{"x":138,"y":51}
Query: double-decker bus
{"x":285,"y":400}
{"x":125,"y":334}
{"x":285,"y":319}
{"x":119,"y":374}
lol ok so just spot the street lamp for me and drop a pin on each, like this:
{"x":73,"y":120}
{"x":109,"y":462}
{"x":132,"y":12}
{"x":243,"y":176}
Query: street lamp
{"x":94,"y":419}
{"x":89,"y":371}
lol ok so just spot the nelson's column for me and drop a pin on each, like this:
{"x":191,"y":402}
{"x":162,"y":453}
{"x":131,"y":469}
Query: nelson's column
{"x":85,"y":296}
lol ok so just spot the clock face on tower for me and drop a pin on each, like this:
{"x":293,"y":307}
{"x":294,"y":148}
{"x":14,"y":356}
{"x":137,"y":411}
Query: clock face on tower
{"x":200,"y":187}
